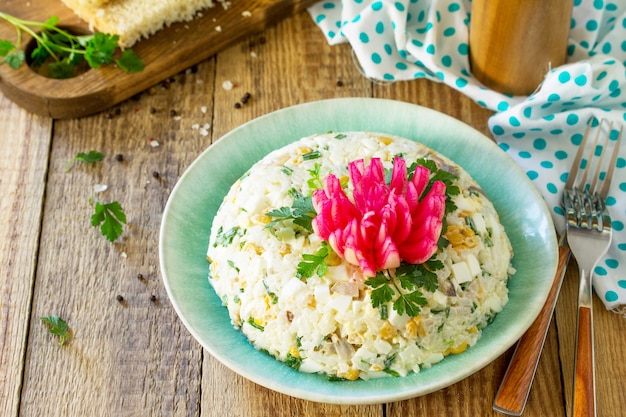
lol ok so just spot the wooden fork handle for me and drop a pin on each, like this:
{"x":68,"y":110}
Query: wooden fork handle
{"x":515,"y":386}
{"x":584,"y":383}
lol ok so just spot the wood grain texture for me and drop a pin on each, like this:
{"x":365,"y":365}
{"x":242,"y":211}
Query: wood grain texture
{"x":517,"y":382}
{"x":130,"y":358}
{"x":135,"y":358}
{"x":514,"y":43}
{"x":609,"y":329}
{"x":23,"y":167}
{"x":166,"y":53}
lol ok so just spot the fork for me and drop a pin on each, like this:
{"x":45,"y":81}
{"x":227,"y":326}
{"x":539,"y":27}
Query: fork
{"x":588,"y":225}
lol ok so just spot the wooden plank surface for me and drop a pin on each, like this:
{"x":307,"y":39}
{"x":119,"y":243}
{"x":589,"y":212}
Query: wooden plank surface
{"x":23,"y":167}
{"x":169,"y":51}
{"x":134,"y":357}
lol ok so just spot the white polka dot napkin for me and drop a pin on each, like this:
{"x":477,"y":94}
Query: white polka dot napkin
{"x":404,"y":40}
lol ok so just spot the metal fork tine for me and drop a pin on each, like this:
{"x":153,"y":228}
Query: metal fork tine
{"x":596,"y":176}
{"x":571,"y":179}
{"x":583,"y":181}
{"x":604,"y":191}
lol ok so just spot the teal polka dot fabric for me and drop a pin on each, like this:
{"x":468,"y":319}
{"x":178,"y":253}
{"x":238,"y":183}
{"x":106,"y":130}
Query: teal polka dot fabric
{"x":409,"y":39}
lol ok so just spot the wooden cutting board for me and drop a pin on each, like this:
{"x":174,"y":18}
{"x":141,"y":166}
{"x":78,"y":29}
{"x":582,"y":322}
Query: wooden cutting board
{"x":99,"y":89}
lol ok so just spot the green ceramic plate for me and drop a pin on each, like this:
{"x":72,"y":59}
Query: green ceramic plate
{"x":197,"y":196}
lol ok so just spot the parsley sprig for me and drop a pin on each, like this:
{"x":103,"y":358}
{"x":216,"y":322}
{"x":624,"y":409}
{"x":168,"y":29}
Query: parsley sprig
{"x":109,"y":217}
{"x":301,"y":212}
{"x":63,"y":50}
{"x":404,"y":284}
{"x":438,"y":174}
{"x":314,"y":264}
{"x":58,"y":327}
{"x":90,"y":157}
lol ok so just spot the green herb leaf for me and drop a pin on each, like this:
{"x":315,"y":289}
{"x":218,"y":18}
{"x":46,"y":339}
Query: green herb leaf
{"x":311,"y":155}
{"x":404,"y":287}
{"x":90,"y":157}
{"x":254,"y":324}
{"x":409,"y":303}
{"x":225,"y":238}
{"x":6,"y":47}
{"x":58,"y":327}
{"x":293,"y":361}
{"x":64,"y":50}
{"x":301,"y":212}
{"x":109,"y":217}
{"x":130,"y":61}
{"x":15,"y":59}
{"x":314,"y":264}
{"x":315,"y":182}
{"x":100,"y":48}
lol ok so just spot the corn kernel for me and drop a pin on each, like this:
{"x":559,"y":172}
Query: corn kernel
{"x":454,"y":236}
{"x":385,"y":140}
{"x":411,"y":329}
{"x":293,"y":351}
{"x":311,"y":301}
{"x":458,"y":349}
{"x":420,"y":326}
{"x":304,"y":150}
{"x":387,"y":331}
{"x":468,"y":232}
{"x":262,"y":219}
{"x":351,"y":374}
{"x":473,"y":330}
{"x":471,"y":241}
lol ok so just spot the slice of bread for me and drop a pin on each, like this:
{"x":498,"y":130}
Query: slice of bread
{"x":132,"y":20}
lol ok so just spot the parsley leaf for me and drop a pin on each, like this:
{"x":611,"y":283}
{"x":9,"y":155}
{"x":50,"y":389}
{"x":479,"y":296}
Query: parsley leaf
{"x":301,"y":212}
{"x":382,"y":292}
{"x":404,"y":285}
{"x":58,"y":327}
{"x":314,"y":264}
{"x":130,"y":61}
{"x":315,"y":182}
{"x":99,"y":49}
{"x":109,"y":217}
{"x":88,"y":158}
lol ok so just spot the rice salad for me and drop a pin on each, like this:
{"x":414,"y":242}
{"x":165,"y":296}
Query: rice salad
{"x":332,"y":320}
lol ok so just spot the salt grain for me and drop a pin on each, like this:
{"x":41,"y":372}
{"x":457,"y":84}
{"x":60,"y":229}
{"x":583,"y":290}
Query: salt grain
{"x":99,"y":188}
{"x":203,"y":109}
{"x":218,"y":28}
{"x":195,"y":126}
{"x":253,"y":54}
{"x":246,"y":14}
{"x":154,"y":143}
{"x":227,"y":85}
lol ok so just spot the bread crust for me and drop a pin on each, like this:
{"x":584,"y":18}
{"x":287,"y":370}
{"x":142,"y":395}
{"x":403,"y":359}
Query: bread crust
{"x":133,"y":20}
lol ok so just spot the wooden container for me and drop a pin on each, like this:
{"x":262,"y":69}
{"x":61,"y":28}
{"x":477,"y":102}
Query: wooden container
{"x":514,"y":43}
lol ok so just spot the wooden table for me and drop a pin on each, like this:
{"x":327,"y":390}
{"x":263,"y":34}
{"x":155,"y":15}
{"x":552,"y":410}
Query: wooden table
{"x":134,"y":357}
